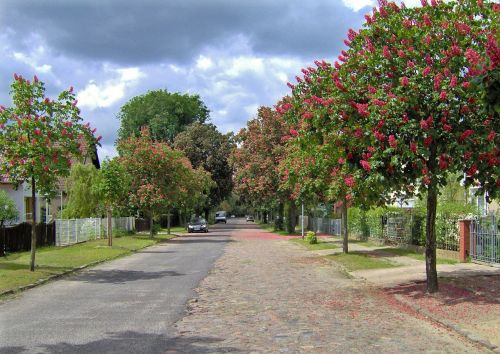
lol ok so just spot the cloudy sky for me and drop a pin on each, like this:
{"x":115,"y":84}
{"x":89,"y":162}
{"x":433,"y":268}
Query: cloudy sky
{"x":236,"y":54}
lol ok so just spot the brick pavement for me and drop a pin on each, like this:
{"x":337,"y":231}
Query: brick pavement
{"x":271,"y":296}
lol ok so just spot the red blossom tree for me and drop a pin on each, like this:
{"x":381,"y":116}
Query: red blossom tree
{"x":161,"y":177}
{"x":412,"y":69}
{"x":256,"y":161}
{"x":39,"y":137}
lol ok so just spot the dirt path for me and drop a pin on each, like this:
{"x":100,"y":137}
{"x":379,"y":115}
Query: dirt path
{"x":266,"y":294}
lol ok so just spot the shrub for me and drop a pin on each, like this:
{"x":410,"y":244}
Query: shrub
{"x":311,"y":237}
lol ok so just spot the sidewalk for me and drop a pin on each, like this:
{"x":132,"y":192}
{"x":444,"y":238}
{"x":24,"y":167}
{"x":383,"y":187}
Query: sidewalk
{"x":468,"y":300}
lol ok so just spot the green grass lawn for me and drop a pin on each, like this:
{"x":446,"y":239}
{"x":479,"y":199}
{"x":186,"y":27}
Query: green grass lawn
{"x":174,"y":230}
{"x":417,"y":256}
{"x":360,"y":261}
{"x":14,"y":268}
{"x":321,"y":245}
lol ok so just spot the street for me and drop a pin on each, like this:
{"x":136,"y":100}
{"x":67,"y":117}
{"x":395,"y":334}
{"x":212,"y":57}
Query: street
{"x":235,"y":289}
{"x":125,"y":306}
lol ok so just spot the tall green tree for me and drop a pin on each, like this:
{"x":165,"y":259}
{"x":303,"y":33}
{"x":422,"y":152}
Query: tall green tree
{"x":39,"y":137}
{"x":206,"y":147}
{"x":165,"y":114}
{"x":112,"y":185}
{"x":83,"y":201}
{"x":8,"y":212}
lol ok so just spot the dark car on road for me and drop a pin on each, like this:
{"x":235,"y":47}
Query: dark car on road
{"x":250,"y":218}
{"x":197,"y":225}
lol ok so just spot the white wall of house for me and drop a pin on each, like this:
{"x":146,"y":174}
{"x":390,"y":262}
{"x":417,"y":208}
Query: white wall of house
{"x":18,"y":196}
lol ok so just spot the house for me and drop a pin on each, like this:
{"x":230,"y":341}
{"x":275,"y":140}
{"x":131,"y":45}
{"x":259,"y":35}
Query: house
{"x":22,"y":197}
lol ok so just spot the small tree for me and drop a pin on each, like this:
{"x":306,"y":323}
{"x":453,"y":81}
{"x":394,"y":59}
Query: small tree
{"x":157,"y":172}
{"x":83,"y":201}
{"x":111,"y":186}
{"x":8,"y":212}
{"x":38,"y":139}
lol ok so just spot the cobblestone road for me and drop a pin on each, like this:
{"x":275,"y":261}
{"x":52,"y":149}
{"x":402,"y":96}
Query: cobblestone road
{"x":266,"y":295}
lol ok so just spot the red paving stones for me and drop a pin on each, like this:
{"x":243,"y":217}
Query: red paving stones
{"x":469,"y":304}
{"x":268,"y":295}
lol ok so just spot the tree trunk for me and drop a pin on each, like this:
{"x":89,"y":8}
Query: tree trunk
{"x":430,"y":240}
{"x":206,"y":214}
{"x":343,"y":211}
{"x":33,"y":224}
{"x":279,"y":221}
{"x":151,"y":226}
{"x":110,"y":227}
{"x":290,"y":225}
{"x":265,"y":217}
{"x":169,"y":216}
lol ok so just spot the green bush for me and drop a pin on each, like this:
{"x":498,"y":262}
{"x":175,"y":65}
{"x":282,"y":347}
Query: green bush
{"x":156,"y":229}
{"x":311,"y":238}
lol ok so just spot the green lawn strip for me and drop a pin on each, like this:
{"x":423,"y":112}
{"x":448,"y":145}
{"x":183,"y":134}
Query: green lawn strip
{"x":173,"y":230}
{"x":416,"y":255}
{"x":321,"y":245}
{"x":14,"y":268}
{"x":360,"y":261}
{"x":270,"y":228}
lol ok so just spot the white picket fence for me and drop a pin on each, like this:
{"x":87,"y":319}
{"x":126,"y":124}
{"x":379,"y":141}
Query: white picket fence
{"x":71,"y":231}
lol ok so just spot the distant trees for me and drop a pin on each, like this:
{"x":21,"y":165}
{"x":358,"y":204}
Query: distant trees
{"x":38,"y":138}
{"x":206,"y":147}
{"x":165,"y":114}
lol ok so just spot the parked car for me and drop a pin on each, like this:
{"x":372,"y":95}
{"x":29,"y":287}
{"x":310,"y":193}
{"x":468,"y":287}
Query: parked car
{"x":250,"y":218}
{"x":197,"y":225}
{"x":220,"y":216}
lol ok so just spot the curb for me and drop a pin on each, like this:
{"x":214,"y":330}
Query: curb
{"x":471,"y":337}
{"x":74,"y":270}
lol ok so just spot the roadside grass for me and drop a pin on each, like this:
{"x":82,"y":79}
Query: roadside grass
{"x":360,"y":261}
{"x":321,"y":245}
{"x":270,"y":228}
{"x":14,"y":268}
{"x":416,"y":255}
{"x":173,"y":230}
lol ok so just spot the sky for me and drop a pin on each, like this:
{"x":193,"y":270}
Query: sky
{"x":236,"y":55}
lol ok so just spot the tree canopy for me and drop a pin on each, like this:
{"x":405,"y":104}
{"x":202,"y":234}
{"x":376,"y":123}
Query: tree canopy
{"x":165,"y":114}
{"x":208,"y":148}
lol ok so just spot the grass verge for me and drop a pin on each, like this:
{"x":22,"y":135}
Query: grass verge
{"x":50,"y":261}
{"x":321,"y":245}
{"x":360,"y":261}
{"x":417,"y":256}
{"x":270,"y":228}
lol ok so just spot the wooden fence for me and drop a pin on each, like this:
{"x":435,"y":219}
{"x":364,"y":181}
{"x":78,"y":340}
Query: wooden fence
{"x":18,"y":237}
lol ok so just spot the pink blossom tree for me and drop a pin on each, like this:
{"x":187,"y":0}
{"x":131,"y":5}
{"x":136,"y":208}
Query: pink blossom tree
{"x":39,"y":137}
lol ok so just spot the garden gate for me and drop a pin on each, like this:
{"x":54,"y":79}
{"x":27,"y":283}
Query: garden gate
{"x":485,"y":240}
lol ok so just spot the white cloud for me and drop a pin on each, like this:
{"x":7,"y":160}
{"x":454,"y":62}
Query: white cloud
{"x":244,"y":64}
{"x":109,"y":92}
{"x":204,"y":63}
{"x":31,"y":60}
{"x":357,"y":5}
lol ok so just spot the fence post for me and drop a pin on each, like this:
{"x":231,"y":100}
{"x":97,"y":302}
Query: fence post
{"x":464,"y":239}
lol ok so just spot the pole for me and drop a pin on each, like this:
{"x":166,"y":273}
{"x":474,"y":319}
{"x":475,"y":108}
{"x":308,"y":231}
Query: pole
{"x":302,"y":221}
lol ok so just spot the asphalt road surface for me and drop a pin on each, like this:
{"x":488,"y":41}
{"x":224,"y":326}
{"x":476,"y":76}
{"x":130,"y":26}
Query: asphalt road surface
{"x":125,"y":306}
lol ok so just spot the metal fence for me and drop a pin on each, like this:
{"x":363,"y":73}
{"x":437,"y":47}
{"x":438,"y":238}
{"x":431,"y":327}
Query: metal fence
{"x":71,"y":231}
{"x":325,"y":225}
{"x":485,"y":240}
